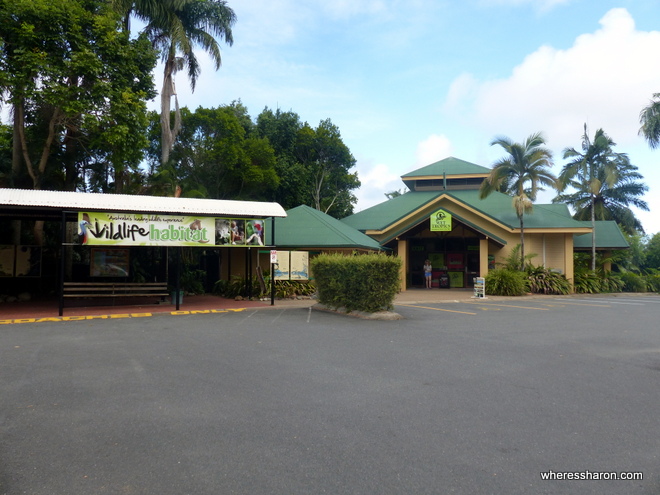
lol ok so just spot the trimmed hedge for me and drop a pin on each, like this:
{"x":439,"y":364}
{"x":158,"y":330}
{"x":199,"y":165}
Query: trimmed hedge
{"x":367,"y":282}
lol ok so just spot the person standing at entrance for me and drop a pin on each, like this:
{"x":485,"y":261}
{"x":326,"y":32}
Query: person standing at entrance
{"x":428,"y":269}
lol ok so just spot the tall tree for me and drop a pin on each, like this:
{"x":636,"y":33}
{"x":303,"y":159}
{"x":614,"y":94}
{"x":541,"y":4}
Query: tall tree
{"x":281,"y":129}
{"x":327,"y":163}
{"x":187,"y":25}
{"x":522,"y":173}
{"x":68,"y":71}
{"x":649,"y":117}
{"x":594,"y":168}
{"x":214,"y":153}
{"x":611,"y":202}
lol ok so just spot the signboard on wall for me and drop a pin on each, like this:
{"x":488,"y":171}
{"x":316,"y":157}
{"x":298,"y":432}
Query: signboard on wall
{"x":292,"y":265}
{"x":282,"y":269}
{"x":141,"y":229}
{"x":440,"y":221}
{"x":299,"y":265}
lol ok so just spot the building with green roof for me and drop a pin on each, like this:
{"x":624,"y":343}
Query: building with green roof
{"x":443,"y":219}
{"x":312,"y":230}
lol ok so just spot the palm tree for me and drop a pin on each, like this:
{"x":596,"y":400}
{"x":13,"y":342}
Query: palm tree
{"x":522,"y":173}
{"x":592,"y":169}
{"x":610,"y":202}
{"x":649,"y":117}
{"x":201,"y":22}
{"x":176,"y":28}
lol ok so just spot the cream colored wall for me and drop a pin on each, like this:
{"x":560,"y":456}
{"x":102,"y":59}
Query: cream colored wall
{"x":558,"y":250}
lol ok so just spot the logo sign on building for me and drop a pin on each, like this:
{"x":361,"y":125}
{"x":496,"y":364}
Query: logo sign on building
{"x":142,"y":229}
{"x":441,"y":221}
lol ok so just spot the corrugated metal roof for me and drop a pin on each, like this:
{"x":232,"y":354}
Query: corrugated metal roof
{"x":63,"y":200}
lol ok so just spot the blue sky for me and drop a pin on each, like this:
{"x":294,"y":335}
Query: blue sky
{"x":409,"y":82}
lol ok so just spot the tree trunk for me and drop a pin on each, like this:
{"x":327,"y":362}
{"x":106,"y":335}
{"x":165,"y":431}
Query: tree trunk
{"x":168,"y":134}
{"x":522,"y":243}
{"x":593,"y":234}
{"x":16,"y":161}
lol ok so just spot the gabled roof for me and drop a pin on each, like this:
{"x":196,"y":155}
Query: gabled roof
{"x":608,"y":236}
{"x":497,"y":208}
{"x":305,"y":227}
{"x":450,"y":167}
{"x":49,"y":203}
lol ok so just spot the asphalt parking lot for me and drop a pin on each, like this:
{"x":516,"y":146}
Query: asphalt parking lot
{"x":474,"y":397}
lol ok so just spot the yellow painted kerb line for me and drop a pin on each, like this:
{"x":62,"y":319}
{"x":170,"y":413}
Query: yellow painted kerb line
{"x":436,"y":309}
{"x":114,"y":317}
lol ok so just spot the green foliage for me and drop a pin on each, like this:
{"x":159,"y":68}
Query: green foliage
{"x":284,"y":289}
{"x":544,"y":281}
{"x":291,"y":288}
{"x":513,"y":260}
{"x":191,"y":281}
{"x":357,"y":283}
{"x":653,"y":252}
{"x":610,"y":282}
{"x":78,"y":86}
{"x":586,"y":282}
{"x":505,"y":282}
{"x":522,"y":173}
{"x":633,"y":282}
{"x":237,"y":286}
{"x":653,"y":281}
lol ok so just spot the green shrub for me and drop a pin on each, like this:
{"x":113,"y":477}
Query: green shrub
{"x":587,"y":282}
{"x":611,"y":282}
{"x":544,"y":281}
{"x":284,"y":289}
{"x":504,"y":282}
{"x":366,"y":282}
{"x":653,"y":282}
{"x":633,"y":282}
{"x":237,"y":286}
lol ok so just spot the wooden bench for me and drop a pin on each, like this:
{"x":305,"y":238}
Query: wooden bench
{"x":82,"y":290}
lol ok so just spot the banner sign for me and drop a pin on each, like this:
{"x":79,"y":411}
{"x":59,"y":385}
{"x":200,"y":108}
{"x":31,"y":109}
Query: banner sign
{"x":441,"y":221}
{"x":140,"y":229}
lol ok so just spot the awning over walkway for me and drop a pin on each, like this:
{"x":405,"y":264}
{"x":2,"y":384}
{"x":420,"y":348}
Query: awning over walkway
{"x":28,"y":203}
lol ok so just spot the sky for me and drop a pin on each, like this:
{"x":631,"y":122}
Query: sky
{"x":410,"y":82}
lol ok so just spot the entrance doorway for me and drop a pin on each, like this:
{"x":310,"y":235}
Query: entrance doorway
{"x":455,"y":261}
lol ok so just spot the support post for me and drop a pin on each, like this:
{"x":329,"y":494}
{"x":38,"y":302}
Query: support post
{"x":272,"y":265}
{"x":62,"y":254}
{"x":483,"y":257}
{"x":178,"y":277}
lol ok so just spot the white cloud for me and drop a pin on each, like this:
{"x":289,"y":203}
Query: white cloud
{"x":604,"y":79}
{"x":376,"y":181}
{"x":432,"y":149}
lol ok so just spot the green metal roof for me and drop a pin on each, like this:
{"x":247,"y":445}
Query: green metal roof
{"x":497,"y":206}
{"x":448,"y":166}
{"x":608,"y":236}
{"x":305,"y":227}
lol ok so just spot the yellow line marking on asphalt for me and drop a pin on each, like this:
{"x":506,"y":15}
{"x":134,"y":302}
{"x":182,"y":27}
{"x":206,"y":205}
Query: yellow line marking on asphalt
{"x":511,"y":306}
{"x":436,"y":309}
{"x":115,"y":316}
